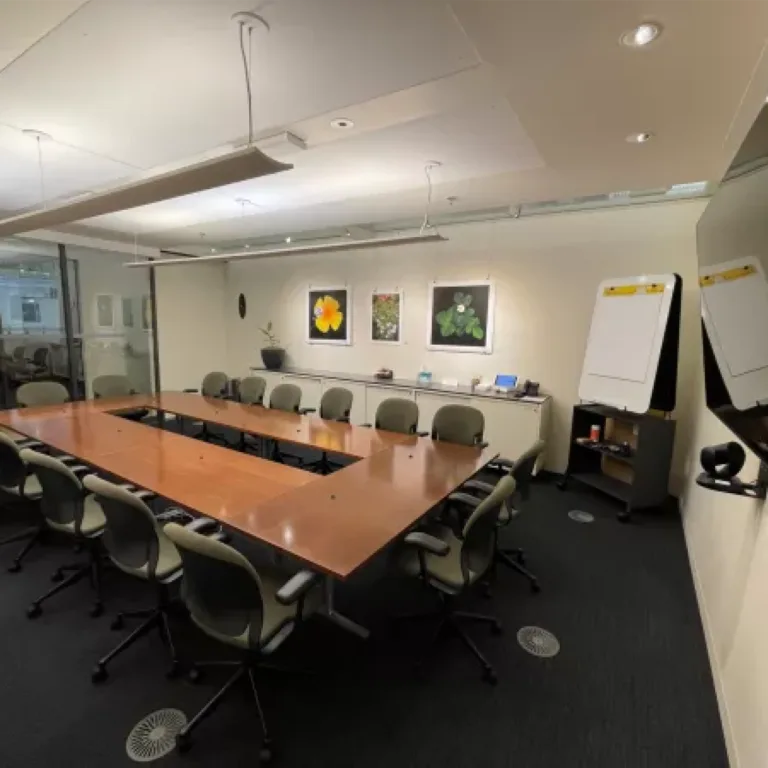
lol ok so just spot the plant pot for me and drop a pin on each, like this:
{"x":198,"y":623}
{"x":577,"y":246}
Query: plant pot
{"x":273,"y":358}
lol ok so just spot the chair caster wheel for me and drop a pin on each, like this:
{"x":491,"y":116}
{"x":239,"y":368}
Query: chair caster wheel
{"x":194,"y":675}
{"x":489,"y":676}
{"x":183,"y":743}
{"x":57,"y":577}
{"x":265,"y":755}
{"x":99,"y":674}
{"x":562,"y":485}
{"x":520,"y":557}
{"x":624,"y":517}
{"x":97,"y":610}
{"x":15,"y":568}
{"x":34,"y":611}
{"x":497,"y":629}
{"x":535,"y":587}
{"x":173,"y":671}
{"x":118,"y":623}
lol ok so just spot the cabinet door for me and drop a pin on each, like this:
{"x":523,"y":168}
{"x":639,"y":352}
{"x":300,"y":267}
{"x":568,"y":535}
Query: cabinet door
{"x":431,"y":402}
{"x":357,"y":415}
{"x":375,"y":395}
{"x":510,"y":428}
{"x":311,"y":388}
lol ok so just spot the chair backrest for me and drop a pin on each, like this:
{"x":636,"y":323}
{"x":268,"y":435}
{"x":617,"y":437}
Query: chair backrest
{"x":41,"y":393}
{"x":252,"y":390}
{"x":285,"y":397}
{"x":111,"y":385}
{"x":132,"y":535}
{"x":522,"y":469}
{"x":62,"y":499}
{"x":214,"y":384}
{"x":18,"y":353}
{"x":396,"y":414}
{"x":461,"y":424}
{"x":336,"y":403}
{"x":40,"y":356}
{"x":221,"y":589}
{"x":479,"y":532}
{"x":12,"y":468}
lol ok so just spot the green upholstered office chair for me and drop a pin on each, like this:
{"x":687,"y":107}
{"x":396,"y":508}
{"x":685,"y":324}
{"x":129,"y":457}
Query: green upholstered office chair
{"x":335,"y":405}
{"x":252,"y":390}
{"x":396,"y":414}
{"x":232,"y":602}
{"x":215,"y":384}
{"x":41,"y":393}
{"x":522,"y":471}
{"x":137,"y":545}
{"x":461,"y":424}
{"x":68,"y":509}
{"x":451,"y":562}
{"x":284,"y":397}
{"x":115,"y":385}
{"x":19,"y":484}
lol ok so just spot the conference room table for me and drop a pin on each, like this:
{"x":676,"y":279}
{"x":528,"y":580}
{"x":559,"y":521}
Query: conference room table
{"x":334,"y":523}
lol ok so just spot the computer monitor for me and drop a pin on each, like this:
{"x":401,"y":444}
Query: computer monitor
{"x":505,"y":381}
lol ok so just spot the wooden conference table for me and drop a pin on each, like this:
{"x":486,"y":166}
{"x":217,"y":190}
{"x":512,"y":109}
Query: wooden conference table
{"x":334,"y":523}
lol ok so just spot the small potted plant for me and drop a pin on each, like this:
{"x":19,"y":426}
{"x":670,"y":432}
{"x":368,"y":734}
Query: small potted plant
{"x":272,"y":354}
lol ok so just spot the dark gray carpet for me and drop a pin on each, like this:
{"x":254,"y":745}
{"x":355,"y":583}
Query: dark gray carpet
{"x":631,"y":687}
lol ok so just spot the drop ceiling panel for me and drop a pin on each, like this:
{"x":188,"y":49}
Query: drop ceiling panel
{"x":150,"y":83}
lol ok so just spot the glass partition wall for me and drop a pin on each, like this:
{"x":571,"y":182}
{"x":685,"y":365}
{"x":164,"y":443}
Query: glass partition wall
{"x":71,"y":314}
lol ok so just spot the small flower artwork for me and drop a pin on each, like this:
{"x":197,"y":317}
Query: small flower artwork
{"x":386,"y":316}
{"x":461,"y":317}
{"x":328,"y":316}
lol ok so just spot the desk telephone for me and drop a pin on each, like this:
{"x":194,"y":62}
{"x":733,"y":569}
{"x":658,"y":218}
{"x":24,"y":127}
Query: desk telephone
{"x":529,"y":389}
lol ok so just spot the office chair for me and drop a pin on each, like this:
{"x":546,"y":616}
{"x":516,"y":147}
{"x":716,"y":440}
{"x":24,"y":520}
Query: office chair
{"x":232,"y":602}
{"x":284,"y":397}
{"x":335,"y":405}
{"x":460,"y":424}
{"x":16,"y":480}
{"x":41,"y":393}
{"x":115,"y":385}
{"x":67,"y":508}
{"x":522,"y":471}
{"x":252,"y":390}
{"x":396,"y":414}
{"x":451,"y":562}
{"x":214,"y":384}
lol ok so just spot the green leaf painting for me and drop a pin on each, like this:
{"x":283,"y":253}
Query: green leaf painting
{"x":460,"y":316}
{"x":460,"y":319}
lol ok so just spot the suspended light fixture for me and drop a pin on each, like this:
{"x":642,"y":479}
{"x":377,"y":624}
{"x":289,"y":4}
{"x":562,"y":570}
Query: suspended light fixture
{"x":233,"y":167}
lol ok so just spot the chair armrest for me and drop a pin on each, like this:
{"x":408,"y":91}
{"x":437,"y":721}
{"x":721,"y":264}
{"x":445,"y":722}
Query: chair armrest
{"x":305,"y":411}
{"x":191,"y":389}
{"x":219,"y":536}
{"x":79,"y":468}
{"x":482,"y":444}
{"x":422,"y":434}
{"x":203,"y":526}
{"x":297,"y":587}
{"x":479,"y":485}
{"x":29,"y":443}
{"x":343,"y":419}
{"x":465,"y":498}
{"x":366,"y":425}
{"x":427,"y":543}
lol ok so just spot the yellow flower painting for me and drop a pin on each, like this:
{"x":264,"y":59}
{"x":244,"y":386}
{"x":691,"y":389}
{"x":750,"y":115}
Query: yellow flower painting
{"x":328,"y":316}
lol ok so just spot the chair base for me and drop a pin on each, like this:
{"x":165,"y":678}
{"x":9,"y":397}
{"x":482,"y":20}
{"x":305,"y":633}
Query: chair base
{"x":323,"y":466}
{"x":243,"y":669}
{"x":448,"y":620}
{"x":153,"y":618}
{"x":92,"y":569}
{"x":515,"y":559}
{"x":33,"y":536}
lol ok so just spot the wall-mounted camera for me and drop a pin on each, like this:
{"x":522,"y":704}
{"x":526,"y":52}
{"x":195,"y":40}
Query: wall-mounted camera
{"x":721,"y":464}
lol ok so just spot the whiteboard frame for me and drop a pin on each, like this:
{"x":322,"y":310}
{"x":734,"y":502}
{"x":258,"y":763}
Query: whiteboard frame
{"x":748,"y":389}
{"x":620,"y":393}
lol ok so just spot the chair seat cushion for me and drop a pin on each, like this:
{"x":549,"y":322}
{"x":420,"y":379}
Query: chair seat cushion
{"x":444,"y":572}
{"x":93,"y":519}
{"x":32,"y":489}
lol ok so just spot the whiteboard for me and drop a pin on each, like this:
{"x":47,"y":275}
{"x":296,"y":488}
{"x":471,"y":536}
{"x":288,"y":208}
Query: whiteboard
{"x":625,"y":338}
{"x":734,"y":307}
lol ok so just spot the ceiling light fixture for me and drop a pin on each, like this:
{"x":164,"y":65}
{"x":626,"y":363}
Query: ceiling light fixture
{"x":641,"y":36}
{"x":342,"y":123}
{"x":230,"y":168}
{"x":344,"y":245}
{"x":639,"y":138}
{"x":33,"y":133}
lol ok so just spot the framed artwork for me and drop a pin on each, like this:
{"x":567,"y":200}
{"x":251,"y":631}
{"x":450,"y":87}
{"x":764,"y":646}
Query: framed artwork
{"x":328,"y":317}
{"x":461,"y":316}
{"x":387,"y":317}
{"x":104,"y":304}
{"x":127,"y":313}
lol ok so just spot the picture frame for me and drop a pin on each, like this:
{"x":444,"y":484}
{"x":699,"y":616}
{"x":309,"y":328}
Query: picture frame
{"x":328,"y":315}
{"x":127,"y":312}
{"x":461,"y":316}
{"x":386,"y":316}
{"x":104,"y":311}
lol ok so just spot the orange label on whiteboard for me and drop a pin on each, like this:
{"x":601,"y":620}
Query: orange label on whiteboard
{"x":729,"y":274}
{"x":620,"y":290}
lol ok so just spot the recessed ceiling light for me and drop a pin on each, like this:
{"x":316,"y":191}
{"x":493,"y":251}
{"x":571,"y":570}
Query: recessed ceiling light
{"x":639,"y":138}
{"x":342,"y":123}
{"x":641,"y":36}
{"x":288,"y":239}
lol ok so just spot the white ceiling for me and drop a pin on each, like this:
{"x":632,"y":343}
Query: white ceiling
{"x":521,"y":100}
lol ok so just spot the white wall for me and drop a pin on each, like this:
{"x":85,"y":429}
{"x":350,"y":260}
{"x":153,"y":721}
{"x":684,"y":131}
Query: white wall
{"x":546,"y":270}
{"x":190,"y":322}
